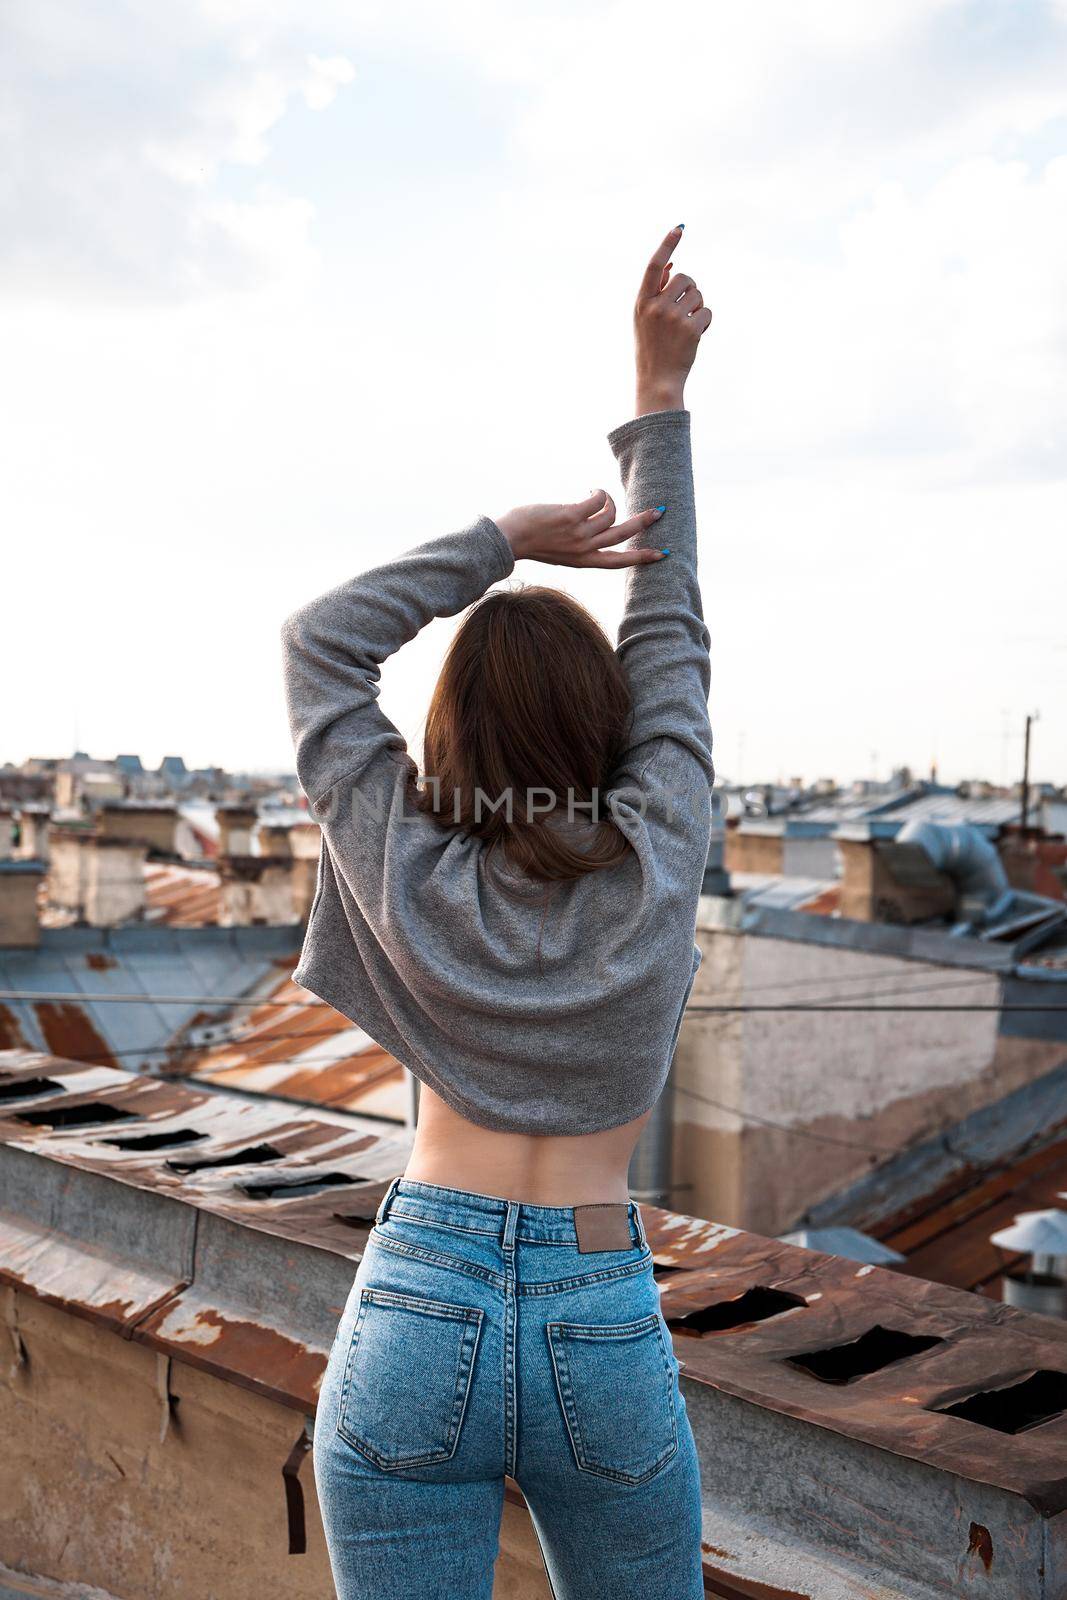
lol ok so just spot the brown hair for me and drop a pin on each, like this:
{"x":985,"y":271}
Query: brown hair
{"x":531,"y":697}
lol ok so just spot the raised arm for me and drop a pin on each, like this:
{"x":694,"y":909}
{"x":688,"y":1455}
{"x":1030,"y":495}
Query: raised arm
{"x":333,"y":649}
{"x":663,"y":641}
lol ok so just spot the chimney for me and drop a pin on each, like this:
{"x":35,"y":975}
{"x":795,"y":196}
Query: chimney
{"x":304,"y":880}
{"x":257,"y":891}
{"x":754,"y":846}
{"x":154,"y":826}
{"x":34,"y":819}
{"x":98,"y":880}
{"x":236,"y":825}
{"x":274,"y":839}
{"x":20,"y":928}
{"x":882,"y":881}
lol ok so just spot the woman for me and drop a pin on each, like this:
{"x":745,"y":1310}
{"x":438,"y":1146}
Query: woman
{"x":519,"y":931}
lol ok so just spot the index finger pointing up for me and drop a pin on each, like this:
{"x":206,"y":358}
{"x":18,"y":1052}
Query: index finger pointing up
{"x":650,"y":283}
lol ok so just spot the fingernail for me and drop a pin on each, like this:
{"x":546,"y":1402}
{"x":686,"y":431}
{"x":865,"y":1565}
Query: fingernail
{"x":664,"y":552}
{"x":679,"y":226}
{"x":659,"y":510}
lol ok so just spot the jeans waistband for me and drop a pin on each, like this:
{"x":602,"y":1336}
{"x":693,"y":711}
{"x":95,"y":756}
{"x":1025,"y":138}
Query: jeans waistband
{"x":491,"y":1214}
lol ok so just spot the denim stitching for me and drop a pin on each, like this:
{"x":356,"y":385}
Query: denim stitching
{"x":431,"y":1222}
{"x":472,"y":1318}
{"x":435,"y":1259}
{"x":357,"y":1328}
{"x":608,"y":1275}
{"x":561,"y":1369}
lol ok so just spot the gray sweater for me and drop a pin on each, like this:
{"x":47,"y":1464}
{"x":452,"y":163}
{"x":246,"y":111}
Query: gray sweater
{"x":434,"y":951}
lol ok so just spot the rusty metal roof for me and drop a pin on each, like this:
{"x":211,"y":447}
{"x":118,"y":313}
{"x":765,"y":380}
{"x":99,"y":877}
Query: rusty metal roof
{"x":312,"y":1056}
{"x":181,"y":897}
{"x":945,"y":1236}
{"x":103,"y":1176}
{"x":92,"y":963}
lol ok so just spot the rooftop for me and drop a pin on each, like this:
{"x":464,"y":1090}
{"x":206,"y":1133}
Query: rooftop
{"x":221,"y":1231}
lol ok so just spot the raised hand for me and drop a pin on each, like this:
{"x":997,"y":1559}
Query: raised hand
{"x":578,"y":535}
{"x":669,"y":318}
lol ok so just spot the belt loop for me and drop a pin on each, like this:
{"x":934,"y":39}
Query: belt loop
{"x":642,"y":1237}
{"x":387,"y":1200}
{"x":511,"y":1222}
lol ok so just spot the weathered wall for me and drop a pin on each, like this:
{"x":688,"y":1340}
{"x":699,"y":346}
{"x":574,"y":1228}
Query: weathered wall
{"x":823,"y":1097}
{"x":257,"y":890}
{"x":67,"y":875}
{"x":91,"y":1496}
{"x":19,"y":925}
{"x":115,"y":888}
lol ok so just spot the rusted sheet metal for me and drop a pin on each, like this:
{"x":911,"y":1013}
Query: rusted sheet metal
{"x":156,"y":1227}
{"x":276,"y":1170}
{"x":284,"y":1203}
{"x":181,"y":897}
{"x":681,"y":1241}
{"x":68,"y":1031}
{"x":312,"y":1055}
{"x":980,"y":1346}
{"x":66,"y":1273}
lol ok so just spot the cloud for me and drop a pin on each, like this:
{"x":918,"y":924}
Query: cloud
{"x":129,"y":144}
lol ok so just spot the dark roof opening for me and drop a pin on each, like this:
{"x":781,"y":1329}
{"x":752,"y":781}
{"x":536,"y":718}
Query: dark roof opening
{"x":251,"y":1155}
{"x":309,"y":1183}
{"x":82,"y":1116}
{"x":157,"y":1141}
{"x":26,"y":1088}
{"x":1024,"y":1405}
{"x":755,"y":1305}
{"x":877,"y":1348}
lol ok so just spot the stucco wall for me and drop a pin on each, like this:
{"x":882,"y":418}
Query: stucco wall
{"x":775,"y":1111}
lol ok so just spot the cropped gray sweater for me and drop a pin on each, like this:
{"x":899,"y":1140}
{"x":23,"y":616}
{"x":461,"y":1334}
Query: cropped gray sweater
{"x":560,"y":1026}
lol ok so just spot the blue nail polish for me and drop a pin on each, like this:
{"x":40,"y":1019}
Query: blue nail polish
{"x":659,"y":508}
{"x":664,"y":552}
{"x":679,"y":226}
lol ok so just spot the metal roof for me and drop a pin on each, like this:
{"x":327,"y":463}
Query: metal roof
{"x":773,"y":891}
{"x":314,"y":1056}
{"x":182,"y":897}
{"x":154,"y":961}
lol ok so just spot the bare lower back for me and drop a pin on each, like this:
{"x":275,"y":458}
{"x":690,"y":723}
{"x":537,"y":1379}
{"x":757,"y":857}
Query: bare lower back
{"x":544,"y":1170}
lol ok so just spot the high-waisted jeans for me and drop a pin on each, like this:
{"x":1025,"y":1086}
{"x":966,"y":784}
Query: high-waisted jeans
{"x":477,"y":1341}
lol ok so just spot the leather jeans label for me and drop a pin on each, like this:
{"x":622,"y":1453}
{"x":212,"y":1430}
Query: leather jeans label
{"x":603,"y":1227}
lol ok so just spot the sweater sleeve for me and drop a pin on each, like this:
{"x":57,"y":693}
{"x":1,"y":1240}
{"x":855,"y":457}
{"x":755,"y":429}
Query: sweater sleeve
{"x":333,"y":649}
{"x":663,"y":641}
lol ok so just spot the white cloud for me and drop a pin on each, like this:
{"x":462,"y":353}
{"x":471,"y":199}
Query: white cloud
{"x":248,"y":347}
{"x":117,"y":141}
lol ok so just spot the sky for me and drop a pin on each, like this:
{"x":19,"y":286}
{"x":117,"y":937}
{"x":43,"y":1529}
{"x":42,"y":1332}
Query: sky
{"x":287,"y":288}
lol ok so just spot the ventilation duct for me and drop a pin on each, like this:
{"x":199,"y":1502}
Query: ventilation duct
{"x":964,"y":854}
{"x":1042,"y":1287}
{"x":986,"y":903}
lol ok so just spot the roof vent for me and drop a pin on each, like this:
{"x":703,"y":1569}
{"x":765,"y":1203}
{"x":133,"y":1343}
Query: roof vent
{"x":80,"y":1116}
{"x":728,"y":1316}
{"x":26,"y":1088}
{"x":877,"y":1348}
{"x":250,"y":1155}
{"x":157,"y":1141}
{"x":1037,"y":1399}
{"x":1041,"y":1285}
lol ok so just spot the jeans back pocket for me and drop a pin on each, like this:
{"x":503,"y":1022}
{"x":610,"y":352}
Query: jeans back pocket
{"x":616,"y":1387}
{"x":407,"y":1378}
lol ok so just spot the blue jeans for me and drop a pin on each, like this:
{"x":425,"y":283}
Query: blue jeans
{"x":477,"y":1341}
